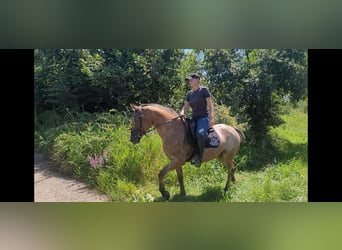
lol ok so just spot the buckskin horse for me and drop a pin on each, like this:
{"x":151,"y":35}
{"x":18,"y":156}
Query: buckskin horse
{"x":173,"y":133}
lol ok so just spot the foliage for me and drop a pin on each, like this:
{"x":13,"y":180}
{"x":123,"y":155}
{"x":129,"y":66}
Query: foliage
{"x":189,"y":63}
{"x":81,"y":107}
{"x":257,"y":83}
{"x":254,"y":83}
{"x":275,"y":170}
{"x":222,"y":115}
{"x":96,"y":80}
{"x":223,"y":71}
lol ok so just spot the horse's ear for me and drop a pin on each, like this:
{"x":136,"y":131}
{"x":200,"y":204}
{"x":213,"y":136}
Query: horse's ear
{"x":133,"y":106}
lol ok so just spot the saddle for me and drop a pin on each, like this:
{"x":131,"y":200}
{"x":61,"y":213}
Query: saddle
{"x":212,"y":140}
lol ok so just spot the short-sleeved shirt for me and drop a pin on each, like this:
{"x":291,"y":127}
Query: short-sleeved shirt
{"x":198,"y":102}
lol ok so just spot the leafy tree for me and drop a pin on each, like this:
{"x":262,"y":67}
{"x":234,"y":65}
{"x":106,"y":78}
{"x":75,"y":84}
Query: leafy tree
{"x":225,"y":71}
{"x":158,"y":70}
{"x":56,"y":75}
{"x":256,"y":83}
{"x":190,"y":63}
{"x":96,"y":80}
{"x":253,"y":83}
{"x":275,"y":77}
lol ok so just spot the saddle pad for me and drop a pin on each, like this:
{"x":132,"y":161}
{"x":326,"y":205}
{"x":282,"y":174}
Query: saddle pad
{"x":213,"y":140}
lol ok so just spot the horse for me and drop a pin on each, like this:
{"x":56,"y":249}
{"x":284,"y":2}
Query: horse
{"x":173,"y":133}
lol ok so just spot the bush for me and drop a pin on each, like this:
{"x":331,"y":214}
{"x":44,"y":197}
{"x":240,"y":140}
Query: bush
{"x":273,"y":170}
{"x":222,"y":115}
{"x":48,"y":119}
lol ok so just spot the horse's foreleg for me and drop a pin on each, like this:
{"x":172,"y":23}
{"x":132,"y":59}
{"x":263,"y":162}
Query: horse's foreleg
{"x":180,"y":180}
{"x":162,"y":189}
{"x":174,"y":164}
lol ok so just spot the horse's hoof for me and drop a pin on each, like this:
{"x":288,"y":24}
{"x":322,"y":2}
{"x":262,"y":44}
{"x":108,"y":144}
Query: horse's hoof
{"x":166,"y":195}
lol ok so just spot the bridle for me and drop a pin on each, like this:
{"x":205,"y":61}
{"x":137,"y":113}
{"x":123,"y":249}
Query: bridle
{"x":139,"y":132}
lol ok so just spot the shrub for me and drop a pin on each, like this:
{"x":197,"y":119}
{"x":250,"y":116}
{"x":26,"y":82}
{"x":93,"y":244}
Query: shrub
{"x":222,"y":115}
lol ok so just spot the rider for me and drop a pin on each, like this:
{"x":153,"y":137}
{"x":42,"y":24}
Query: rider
{"x":199,"y":99}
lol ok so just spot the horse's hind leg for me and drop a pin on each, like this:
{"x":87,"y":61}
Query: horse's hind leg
{"x":228,"y":162}
{"x":233,"y":170}
{"x":180,"y":180}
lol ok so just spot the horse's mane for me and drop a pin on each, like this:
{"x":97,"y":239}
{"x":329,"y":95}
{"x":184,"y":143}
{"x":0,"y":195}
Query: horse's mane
{"x":167,"y":109}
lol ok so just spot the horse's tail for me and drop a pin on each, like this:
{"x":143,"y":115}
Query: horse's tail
{"x":242,"y":135}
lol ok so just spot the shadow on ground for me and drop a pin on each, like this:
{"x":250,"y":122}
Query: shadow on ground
{"x":210,"y":194}
{"x":255,"y":156}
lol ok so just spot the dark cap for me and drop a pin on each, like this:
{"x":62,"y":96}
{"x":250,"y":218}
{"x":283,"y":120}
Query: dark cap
{"x":192,"y":76}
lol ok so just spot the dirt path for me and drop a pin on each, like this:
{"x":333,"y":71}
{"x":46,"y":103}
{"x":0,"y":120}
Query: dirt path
{"x":50,"y":186}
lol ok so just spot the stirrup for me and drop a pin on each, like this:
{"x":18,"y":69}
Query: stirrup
{"x":196,"y":161}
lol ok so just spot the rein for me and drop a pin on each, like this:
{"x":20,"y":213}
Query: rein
{"x":159,"y":125}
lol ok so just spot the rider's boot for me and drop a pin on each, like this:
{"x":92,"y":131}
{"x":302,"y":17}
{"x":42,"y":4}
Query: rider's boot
{"x":201,"y":145}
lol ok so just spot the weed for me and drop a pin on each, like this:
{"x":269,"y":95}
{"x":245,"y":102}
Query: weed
{"x":97,"y":150}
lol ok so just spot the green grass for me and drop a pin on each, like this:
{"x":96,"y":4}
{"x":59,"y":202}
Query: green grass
{"x":273,"y":171}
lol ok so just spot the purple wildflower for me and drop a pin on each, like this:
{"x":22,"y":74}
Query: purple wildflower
{"x":98,"y":160}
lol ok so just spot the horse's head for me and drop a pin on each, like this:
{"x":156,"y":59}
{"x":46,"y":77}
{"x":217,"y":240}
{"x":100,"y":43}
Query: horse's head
{"x":147,"y":116}
{"x":137,"y":124}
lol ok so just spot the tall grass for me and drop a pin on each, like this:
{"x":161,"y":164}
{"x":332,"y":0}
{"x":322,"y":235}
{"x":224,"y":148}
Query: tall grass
{"x":273,"y":171}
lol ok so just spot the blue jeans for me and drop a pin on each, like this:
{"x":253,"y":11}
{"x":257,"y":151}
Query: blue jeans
{"x":202,"y":126}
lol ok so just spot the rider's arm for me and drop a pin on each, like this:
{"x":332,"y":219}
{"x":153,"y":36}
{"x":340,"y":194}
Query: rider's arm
{"x":211,"y":111}
{"x":185,"y":108}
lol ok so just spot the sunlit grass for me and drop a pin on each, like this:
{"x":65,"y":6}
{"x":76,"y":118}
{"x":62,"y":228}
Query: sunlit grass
{"x":278,"y":173}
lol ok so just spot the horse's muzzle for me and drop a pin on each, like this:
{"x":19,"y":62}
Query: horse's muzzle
{"x":135,"y":136}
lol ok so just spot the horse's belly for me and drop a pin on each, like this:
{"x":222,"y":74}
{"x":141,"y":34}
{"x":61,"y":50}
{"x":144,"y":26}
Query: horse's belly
{"x":176,"y":150}
{"x":212,"y":153}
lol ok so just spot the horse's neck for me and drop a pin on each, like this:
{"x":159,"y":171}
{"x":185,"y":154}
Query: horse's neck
{"x":160,"y":117}
{"x":169,"y":130}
